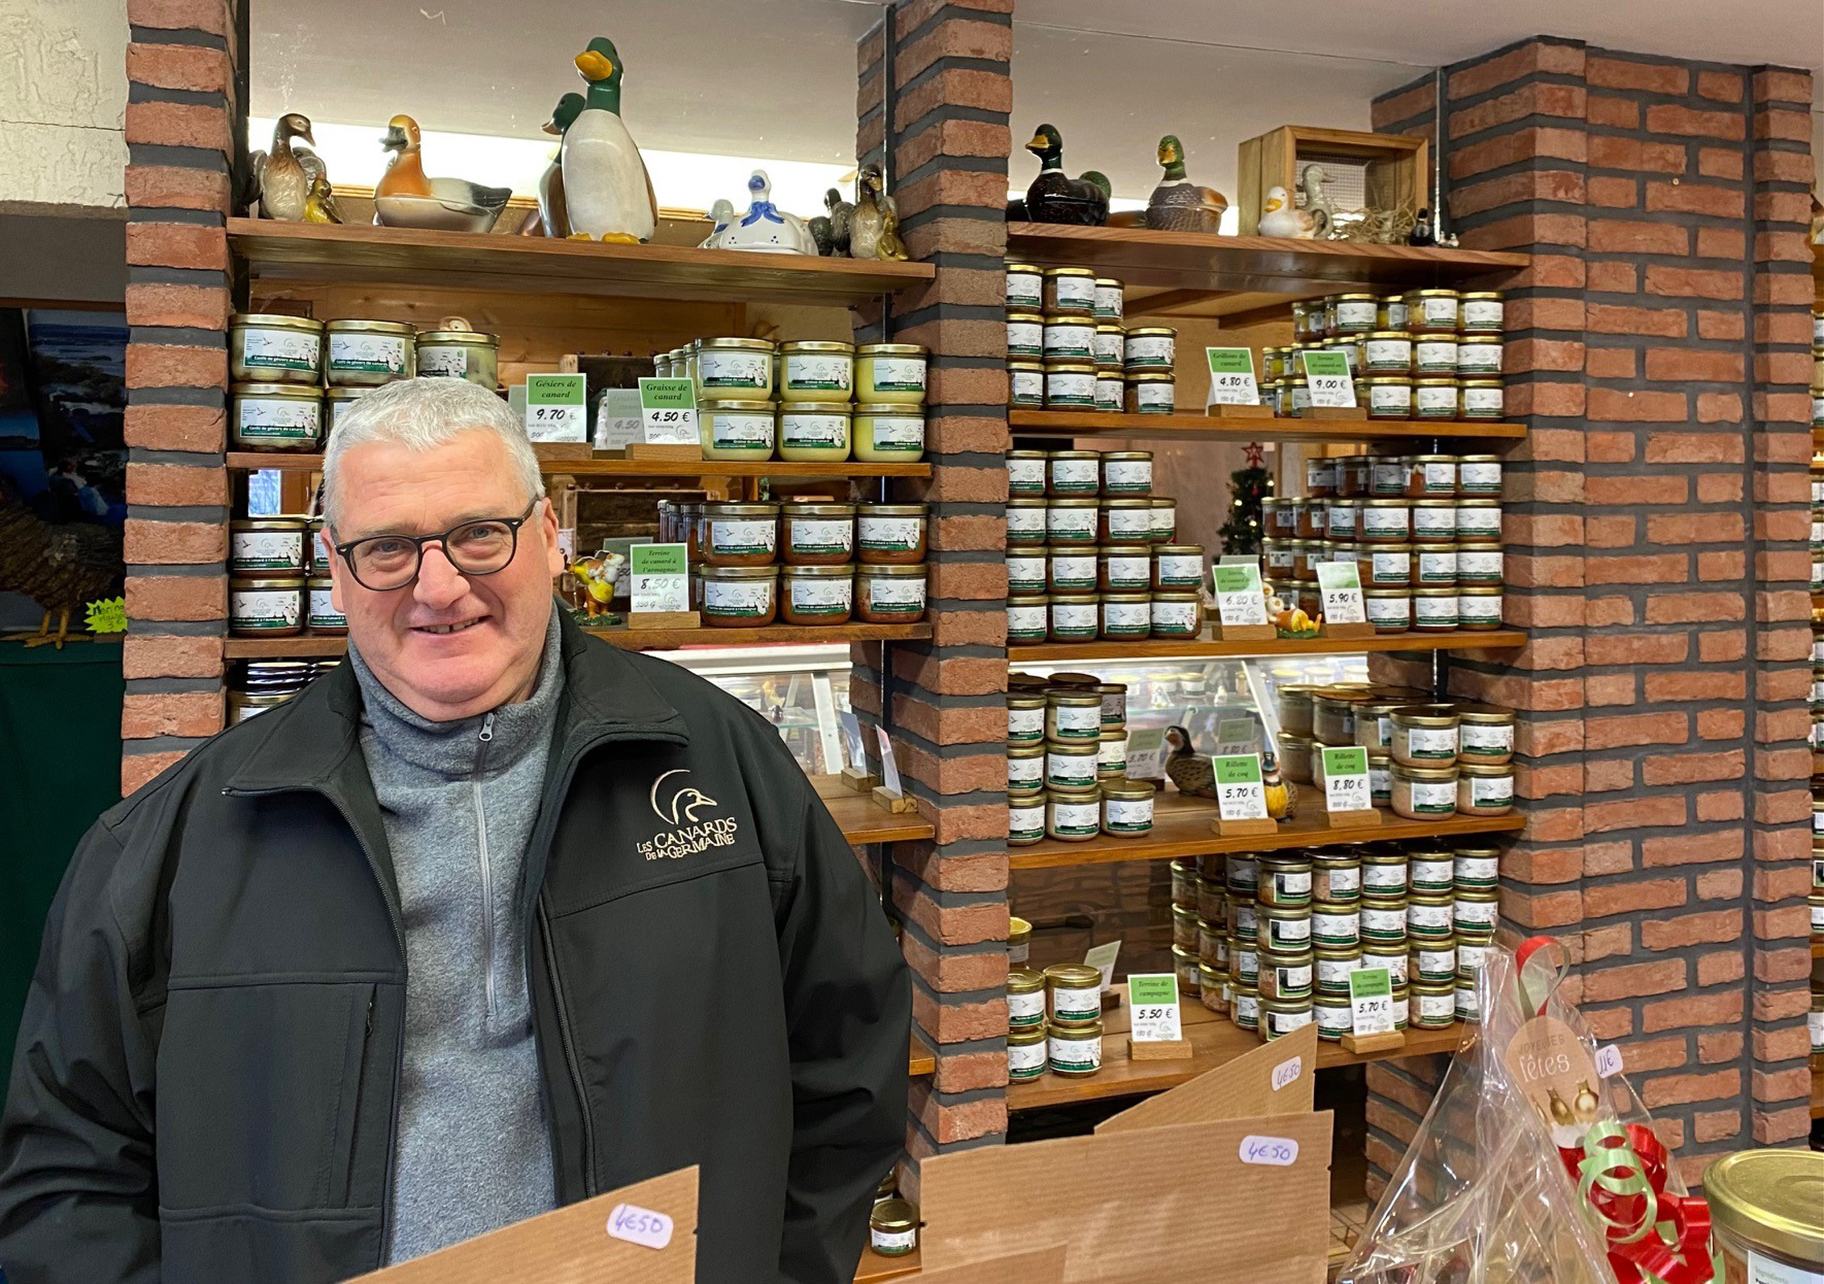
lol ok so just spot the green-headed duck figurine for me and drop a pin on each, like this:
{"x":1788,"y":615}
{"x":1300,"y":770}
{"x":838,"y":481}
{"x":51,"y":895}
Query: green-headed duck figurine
{"x":606,"y":187}
{"x":1054,"y":196}
{"x":553,"y":215}
{"x":1177,"y":204}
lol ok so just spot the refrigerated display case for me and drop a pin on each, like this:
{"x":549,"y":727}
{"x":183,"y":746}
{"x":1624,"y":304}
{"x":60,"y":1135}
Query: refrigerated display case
{"x":801,"y":690}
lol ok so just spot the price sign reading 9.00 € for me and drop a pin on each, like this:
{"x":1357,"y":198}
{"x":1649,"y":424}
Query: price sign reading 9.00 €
{"x":1346,"y":780}
{"x":1232,"y":377}
{"x":668,"y":412}
{"x":1153,"y":1001}
{"x":1239,"y":600}
{"x":1327,"y":375}
{"x":1239,"y":792}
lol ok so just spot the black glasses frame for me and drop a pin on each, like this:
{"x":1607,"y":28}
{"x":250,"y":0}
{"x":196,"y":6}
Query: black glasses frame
{"x":418,"y":542}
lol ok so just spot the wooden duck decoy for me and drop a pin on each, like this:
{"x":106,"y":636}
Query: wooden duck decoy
{"x":874,"y":222}
{"x":1177,"y":204}
{"x":553,"y":213}
{"x":1189,"y":770}
{"x":606,"y":186}
{"x":1054,"y":197}
{"x":1279,"y":218}
{"x":405,"y":197}
{"x":282,"y":179}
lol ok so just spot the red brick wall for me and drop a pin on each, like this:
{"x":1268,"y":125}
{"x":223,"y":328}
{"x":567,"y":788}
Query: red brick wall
{"x":1657,"y":554}
{"x":934,"y":97}
{"x":181,"y":68}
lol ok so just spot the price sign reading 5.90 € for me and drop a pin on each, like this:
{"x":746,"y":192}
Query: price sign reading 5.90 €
{"x":1239,"y":793}
{"x":1239,"y":600}
{"x":1346,"y":780}
{"x":1232,"y":377}
{"x":668,"y":412}
{"x":1339,"y":586}
{"x":1153,"y":999}
{"x":1327,"y":375}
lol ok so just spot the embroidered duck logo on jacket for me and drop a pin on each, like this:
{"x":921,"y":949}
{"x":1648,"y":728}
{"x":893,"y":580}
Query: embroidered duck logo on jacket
{"x":689,"y":833}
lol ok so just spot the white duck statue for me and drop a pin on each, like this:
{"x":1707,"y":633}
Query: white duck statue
{"x":721,"y":214}
{"x":765,"y":227}
{"x":404,"y":197}
{"x":606,"y":187}
{"x":1279,"y":218}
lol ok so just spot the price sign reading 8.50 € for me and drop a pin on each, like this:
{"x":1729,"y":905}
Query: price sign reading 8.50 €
{"x":1153,"y":1001}
{"x":1327,"y":375}
{"x":1232,"y":377}
{"x":1346,"y":780}
{"x":1239,"y":792}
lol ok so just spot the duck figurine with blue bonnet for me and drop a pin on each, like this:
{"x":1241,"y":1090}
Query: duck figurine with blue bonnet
{"x":765,"y":227}
{"x":1054,"y":196}
{"x":606,"y":188}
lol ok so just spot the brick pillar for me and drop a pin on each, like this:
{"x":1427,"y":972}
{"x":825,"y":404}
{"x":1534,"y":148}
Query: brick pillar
{"x":934,"y":98}
{"x":1656,"y":556}
{"x":181,"y":106}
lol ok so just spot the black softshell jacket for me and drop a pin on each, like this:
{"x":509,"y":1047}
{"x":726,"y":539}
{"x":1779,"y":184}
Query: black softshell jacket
{"x":206,"y":1081}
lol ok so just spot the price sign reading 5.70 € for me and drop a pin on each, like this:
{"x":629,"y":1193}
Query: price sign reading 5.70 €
{"x":1239,"y":600}
{"x":1153,"y":999}
{"x":1232,"y":377}
{"x":1327,"y":375}
{"x":1346,"y":780}
{"x":1239,"y":793}
{"x":1371,"y":1000}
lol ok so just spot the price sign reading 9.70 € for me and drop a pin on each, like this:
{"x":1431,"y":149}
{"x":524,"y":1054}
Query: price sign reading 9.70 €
{"x":668,"y":412}
{"x":1239,"y":792}
{"x":1153,"y":1003}
{"x":1327,"y":375}
{"x":1239,"y":600}
{"x":1346,"y":780}
{"x":555,"y":407}
{"x":1232,"y":377}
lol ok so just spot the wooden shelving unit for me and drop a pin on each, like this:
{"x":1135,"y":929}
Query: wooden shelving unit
{"x":297,"y":461}
{"x":1189,"y":427}
{"x":1211,"y":649}
{"x":1215,"y":1040}
{"x":626,"y":639}
{"x":865,"y":821}
{"x":874,"y":1268}
{"x":1186,"y":827}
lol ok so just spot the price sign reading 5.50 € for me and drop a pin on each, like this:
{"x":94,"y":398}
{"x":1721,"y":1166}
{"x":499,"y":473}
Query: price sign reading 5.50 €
{"x":1153,"y":998}
{"x":1327,"y":375}
{"x":1346,"y":780}
{"x":1232,"y":377}
{"x":1239,"y":600}
{"x":1239,"y":793}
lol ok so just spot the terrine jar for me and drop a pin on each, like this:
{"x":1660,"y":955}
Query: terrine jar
{"x":266,"y":606}
{"x":893,"y":1228}
{"x":741,"y":534}
{"x":458,"y":353}
{"x":1073,"y":474}
{"x":1070,"y":386}
{"x":1108,"y":305}
{"x":1074,"y":1051}
{"x":1165,"y":519}
{"x":1025,"y":718}
{"x":1122,"y":521}
{"x":817,"y":534}
{"x":1025,"y":288}
{"x":275,"y":416}
{"x":1070,"y":291}
{"x":1177,"y":568}
{"x":1070,"y":570}
{"x":1073,"y":717}
{"x":1025,"y":385}
{"x":1127,"y":808}
{"x":1149,"y":348}
{"x":817,"y":595}
{"x":1073,"y":993}
{"x":1177,"y":615}
{"x":1479,"y":476}
{"x":1126,"y":617}
{"x":1026,"y":770}
{"x":1025,"y":998}
{"x":1075,"y":617}
{"x":890,"y":594}
{"x":1424,"y":735}
{"x":890,"y":534}
{"x":1150,"y":392}
{"x":266,"y":546}
{"x":1485,"y":790}
{"x":1127,"y":473}
{"x":740,"y":596}
{"x":1025,"y":820}
{"x":1028,"y":619}
{"x":1026,"y":571}
{"x":732,"y":430}
{"x":1485,"y":735}
{"x":1026,"y":522}
{"x":366,"y":354}
{"x":1072,"y":521}
{"x":1065,"y":339}
{"x":1121,"y":568}
{"x":1424,"y":793}
{"x":817,"y":432}
{"x":816,"y":370}
{"x":1025,"y":473}
{"x":271,"y":348}
{"x":1764,"y":1206}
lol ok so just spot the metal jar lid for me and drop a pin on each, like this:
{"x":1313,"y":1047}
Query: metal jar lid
{"x":768,"y":408}
{"x":1069,"y":367}
{"x":255,"y":581}
{"x":1151,"y":331}
{"x":1128,"y":789}
{"x":1024,"y":980}
{"x":1425,"y":775}
{"x":817,"y":572}
{"x":1149,"y":376}
{"x":891,"y":572}
{"x":473,"y":337}
{"x":289,"y":525}
{"x":893,"y":1216}
{"x":286,"y":391}
{"x":1070,"y":271}
{"x":353,"y":326}
{"x":1486,"y":716}
{"x":890,"y":510}
{"x":275,"y":321}
{"x":1073,"y":976}
{"x":1074,"y":699}
{"x":843,"y":408}
{"x":814,"y":345}
{"x":816,"y":510}
{"x":740,"y":572}
{"x":889,"y":350}
{"x":713,"y":511}
{"x":734,"y":344}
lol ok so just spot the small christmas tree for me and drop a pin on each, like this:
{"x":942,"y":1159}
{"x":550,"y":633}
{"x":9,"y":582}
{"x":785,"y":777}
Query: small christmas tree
{"x":1247,"y":487}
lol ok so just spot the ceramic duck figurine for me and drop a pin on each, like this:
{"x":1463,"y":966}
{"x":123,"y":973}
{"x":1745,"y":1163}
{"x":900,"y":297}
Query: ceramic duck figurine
{"x":405,"y":197}
{"x":1278,"y":218}
{"x":1187,"y":768}
{"x":721,"y":214}
{"x":1177,"y":204}
{"x":606,"y":186}
{"x":765,"y":227}
{"x":553,"y":213}
{"x":284,"y":176}
{"x":1317,"y":204}
{"x":874,"y":222}
{"x":1054,"y":197}
{"x":1422,"y":233}
{"x":831,"y":229}
{"x":320,"y":205}
{"x":1282,"y":794}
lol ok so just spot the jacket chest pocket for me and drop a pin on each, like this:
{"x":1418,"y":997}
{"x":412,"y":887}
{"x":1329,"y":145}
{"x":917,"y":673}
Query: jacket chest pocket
{"x":277,"y":1081}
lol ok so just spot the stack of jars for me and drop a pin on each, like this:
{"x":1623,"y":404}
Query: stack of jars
{"x":258,"y":685}
{"x":805,"y":400}
{"x":1427,"y":354}
{"x":1817,"y":528}
{"x":1067,"y":762}
{"x":811,"y":564}
{"x":278,"y":579}
{"x":1817,"y":369}
{"x":1054,"y":1021}
{"x":1426,"y":761}
{"x":1423,"y":530}
{"x":1068,"y":350}
{"x":1090,"y":551}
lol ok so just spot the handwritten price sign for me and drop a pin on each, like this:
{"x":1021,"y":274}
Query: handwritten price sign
{"x":1327,"y":375}
{"x":1275,"y":1152}
{"x":660,"y":578}
{"x":1154,"y":1002}
{"x":1239,"y":600}
{"x":1232,"y":377}
{"x":668,"y":412}
{"x":1239,"y":792}
{"x":639,"y":1226}
{"x":1371,"y":1000}
{"x":555,"y":409}
{"x":1339,"y":584}
{"x":1346,"y":780}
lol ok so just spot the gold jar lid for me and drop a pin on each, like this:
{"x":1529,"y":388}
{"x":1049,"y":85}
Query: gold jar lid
{"x":1022,"y":700}
{"x":1163,"y":596}
{"x":1478,"y":338}
{"x":244,"y":583}
{"x":740,"y":510}
{"x":1482,"y":294}
{"x":1127,"y":502}
{"x":1027,"y":367}
{"x":1149,"y":376}
{"x":1433,"y":381}
{"x":1070,"y":454}
{"x":1479,"y":590}
{"x":1070,"y":271}
{"x":1073,"y":976}
{"x":817,"y":572}
{"x":1074,"y":699}
{"x":291,"y":391}
{"x":1480,"y":459}
{"x":1026,"y":751}
{"x":276,"y":321}
{"x":815,"y":345}
{"x":1026,"y":1036}
{"x":1433,"y":294}
{"x":1029,"y":599}
{"x":471,"y":337}
{"x":739,"y":407}
{"x":891,"y":572}
{"x":843,"y":408}
{"x":1069,"y":367}
{"x":1425,"y":715}
{"x":894,"y":1216}
{"x":1131,"y":598}
{"x":1350,"y":298}
{"x":1057,"y":318}
{"x":1072,"y":501}
{"x":740,"y":572}
{"x":816,"y":510}
{"x":1494,"y":852}
{"x":280,"y":523}
{"x":1436,"y":592}
{"x":1069,"y":750}
{"x":1151,"y":331}
{"x":1108,"y":280}
{"x":890,"y":510}
{"x":1128,"y":789}
{"x":1485,"y":771}
{"x":351,"y":325}
{"x":1388,"y":334}
{"x":1425,"y":775}
{"x":321,"y":582}
{"x":735,"y":344}
{"x":1024,"y":980}
{"x":1027,"y":454}
{"x":1478,"y":383}
{"x":1176,"y":550}
{"x":1123,"y":550}
{"x":1011,"y":266}
{"x":1128,"y":455}
{"x":1386,"y":381}
{"x":889,"y":350}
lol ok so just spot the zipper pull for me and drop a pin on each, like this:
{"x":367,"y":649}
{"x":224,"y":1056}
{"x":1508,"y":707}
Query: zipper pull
{"x":487,"y":729}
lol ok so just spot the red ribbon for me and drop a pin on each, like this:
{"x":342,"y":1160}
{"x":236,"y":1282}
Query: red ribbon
{"x":1653,"y":1235}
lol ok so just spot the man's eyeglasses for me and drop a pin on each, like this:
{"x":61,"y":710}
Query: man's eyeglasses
{"x":383,"y":563}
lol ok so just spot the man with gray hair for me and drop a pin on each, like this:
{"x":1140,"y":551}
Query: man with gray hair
{"x":492,"y":918}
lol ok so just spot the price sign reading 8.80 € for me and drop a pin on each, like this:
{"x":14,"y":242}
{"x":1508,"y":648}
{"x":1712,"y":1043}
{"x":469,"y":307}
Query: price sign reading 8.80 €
{"x":1346,"y":780}
{"x":1232,"y":377}
{"x":1239,"y":792}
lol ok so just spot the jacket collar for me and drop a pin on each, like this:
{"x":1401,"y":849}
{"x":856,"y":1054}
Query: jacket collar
{"x":316,"y":743}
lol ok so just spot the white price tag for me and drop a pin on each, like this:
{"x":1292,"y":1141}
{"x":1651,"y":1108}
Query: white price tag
{"x":1146,"y":753}
{"x":639,"y":1226}
{"x":1346,"y":780}
{"x":1153,"y":998}
{"x":1287,"y":1072}
{"x":852,"y":741}
{"x":1237,"y":735}
{"x":668,"y":412}
{"x":1239,"y":792}
{"x":659,"y":578}
{"x":1327,"y":376}
{"x":1371,"y":1000}
{"x":889,"y":769}
{"x":1102,"y":958}
{"x":1608,"y":1060}
{"x":1275,"y":1152}
{"x":1239,"y":600}
{"x":1232,"y":378}
{"x":555,"y":407}
{"x":1340,"y":586}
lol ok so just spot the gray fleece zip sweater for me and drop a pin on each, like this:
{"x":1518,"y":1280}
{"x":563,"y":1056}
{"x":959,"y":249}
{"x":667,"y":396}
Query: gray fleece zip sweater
{"x":458,"y":801}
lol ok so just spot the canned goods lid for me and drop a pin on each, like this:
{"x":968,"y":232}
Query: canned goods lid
{"x":740,"y":407}
{"x":824,"y":345}
{"x":890,"y":510}
{"x":1024,"y":980}
{"x":1388,"y":334}
{"x":1026,"y":366}
{"x":1129,"y":789}
{"x":1425,"y":775}
{"x":1151,"y":330}
{"x":1070,"y":271}
{"x":1483,"y":294}
{"x":1433,"y":294}
{"x":1424,"y":715}
{"x":1074,"y":976}
{"x":279,"y":523}
{"x":475,"y":338}
{"x":1077,"y":1030}
{"x":843,"y":408}
{"x":243,"y":583}
{"x":740,"y":572}
{"x":713,"y":511}
{"x":1030,"y":599}
{"x":1026,"y":1036}
{"x":1074,"y":699}
{"x":353,"y":326}
{"x":275,"y":321}
{"x":295,"y":392}
{"x":1054,"y":318}
{"x":1150,"y":376}
{"x":889,"y":350}
{"x":817,"y":572}
{"x":816,"y":510}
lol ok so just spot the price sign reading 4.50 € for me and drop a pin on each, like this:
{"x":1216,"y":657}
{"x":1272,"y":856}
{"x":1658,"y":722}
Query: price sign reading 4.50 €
{"x":1153,"y":999}
{"x":668,"y":412}
{"x":1339,"y":586}
{"x":1232,"y":377}
{"x":1239,"y":793}
{"x":1327,"y":375}
{"x":1239,"y":600}
{"x":1371,"y":1000}
{"x":555,"y":407}
{"x":1346,"y":780}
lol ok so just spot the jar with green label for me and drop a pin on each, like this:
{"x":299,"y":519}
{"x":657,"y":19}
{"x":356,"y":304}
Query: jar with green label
{"x":1028,"y":619}
{"x":1477,"y":868}
{"x":1384,"y":872}
{"x":1126,"y":617}
{"x":1284,"y":931}
{"x":1285,"y":976}
{"x":1475,"y":912}
{"x":733,"y":429}
{"x":1433,"y":961}
{"x":890,"y":374}
{"x":1075,"y":617}
{"x":1244,"y":1006}
{"x":1213,"y":987}
{"x":1430,"y":873}
{"x":1072,"y":767}
{"x":1431,"y":1006}
{"x":732,"y":369}
{"x":1177,"y":615}
{"x":893,"y":1228}
{"x":1383,"y":921}
{"x":1075,"y":1051}
{"x":1025,"y":719}
{"x":1468,"y":1003}
{"x":1392,"y":955}
{"x":1428,"y":916}
{"x":1073,"y":717}
{"x":1244,"y":921}
{"x":1025,"y":998}
{"x":1026,"y":769}
{"x":367,"y":354}
{"x":1485,"y":790}
{"x":1127,"y":810}
{"x":1332,"y":965}
{"x":1025,"y":385}
{"x":1244,"y":962}
{"x":1025,"y":819}
{"x":275,"y":416}
{"x":271,"y":348}
{"x":1243,"y":876}
{"x":1424,"y":735}
{"x":814,"y":431}
{"x":266,"y":606}
{"x":1026,"y":1059}
{"x":1074,"y":994}
{"x":1027,"y":571}
{"x":1424,"y":793}
{"x":1280,"y":1017}
{"x":1285,"y":882}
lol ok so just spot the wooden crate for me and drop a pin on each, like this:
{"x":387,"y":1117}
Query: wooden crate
{"x":1394,"y":170}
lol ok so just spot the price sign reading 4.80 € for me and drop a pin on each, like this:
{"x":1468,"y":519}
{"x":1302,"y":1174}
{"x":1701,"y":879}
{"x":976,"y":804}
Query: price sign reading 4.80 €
{"x":1239,"y":793}
{"x":1232,"y":377}
{"x":1346,"y":780}
{"x":1153,"y":999}
{"x":668,"y":412}
{"x":1239,"y":600}
{"x":1327,"y":375}
{"x":1371,"y":1000}
{"x":1339,"y":586}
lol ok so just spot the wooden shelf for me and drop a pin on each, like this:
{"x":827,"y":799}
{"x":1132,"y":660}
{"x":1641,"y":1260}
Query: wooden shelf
{"x":1817,"y":1093}
{"x":301,"y":462}
{"x":1211,"y":649}
{"x":865,"y":821}
{"x":1198,"y":427}
{"x":922,"y":1060}
{"x":1184,"y":827}
{"x":350,"y":254}
{"x":626,"y":639}
{"x":873,"y":1267}
{"x":1215,"y":1040}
